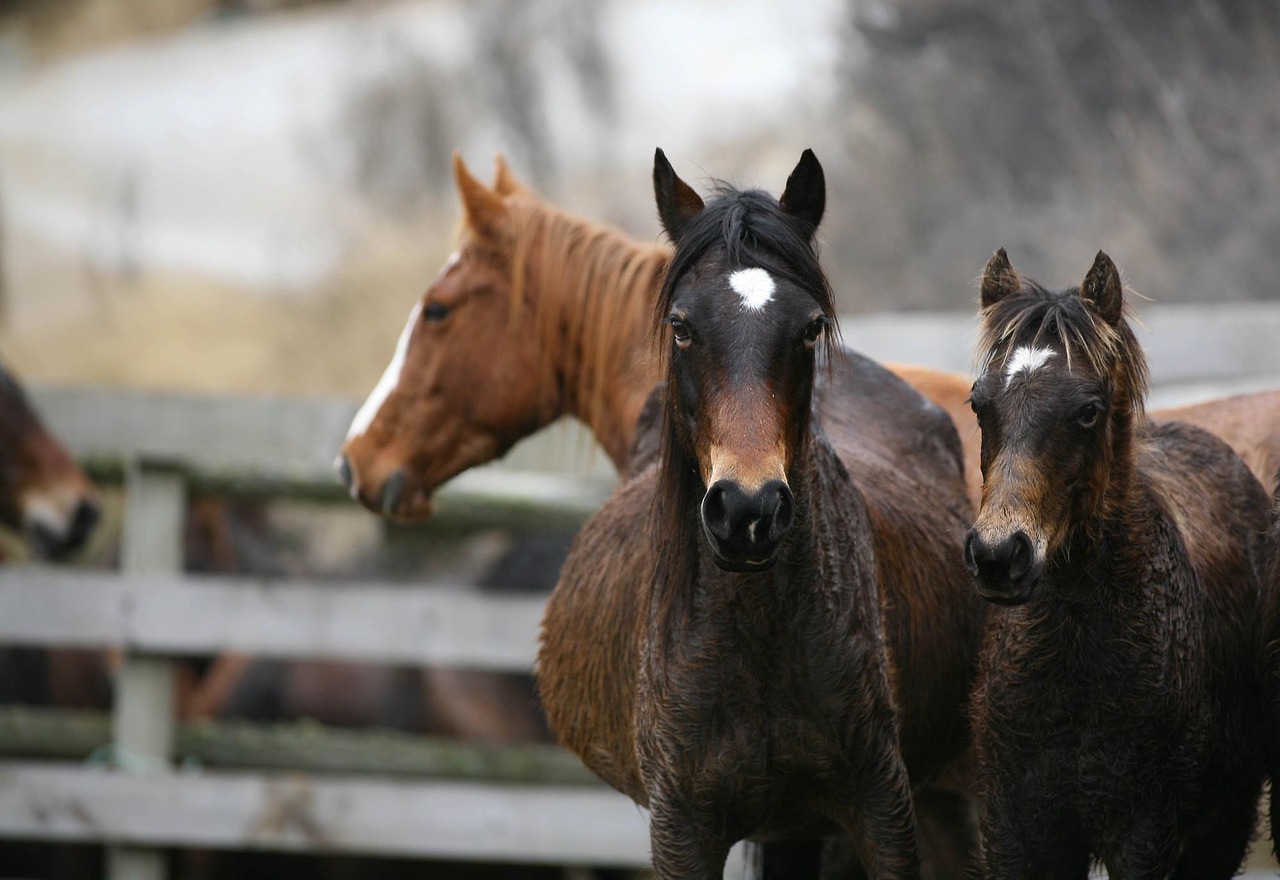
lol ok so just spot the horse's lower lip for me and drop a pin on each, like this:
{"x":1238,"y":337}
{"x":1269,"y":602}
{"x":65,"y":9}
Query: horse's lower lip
{"x":1006,"y":596}
{"x":743,"y":565}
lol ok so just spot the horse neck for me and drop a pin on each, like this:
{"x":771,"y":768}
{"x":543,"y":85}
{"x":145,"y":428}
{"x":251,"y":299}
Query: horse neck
{"x":592,"y":291}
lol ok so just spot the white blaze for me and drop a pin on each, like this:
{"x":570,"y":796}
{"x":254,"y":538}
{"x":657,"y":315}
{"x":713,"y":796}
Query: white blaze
{"x":1025,"y":358}
{"x":390,"y":378}
{"x":754,"y":285}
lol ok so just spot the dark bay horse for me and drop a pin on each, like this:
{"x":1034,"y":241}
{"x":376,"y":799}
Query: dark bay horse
{"x":769,"y":634}
{"x":561,"y":304}
{"x":1117,"y":709}
{"x":44,"y":496}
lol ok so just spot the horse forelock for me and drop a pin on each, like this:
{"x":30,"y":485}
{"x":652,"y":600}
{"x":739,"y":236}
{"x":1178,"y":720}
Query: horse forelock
{"x":587,"y":286}
{"x":751,"y":230}
{"x":1034,"y":316}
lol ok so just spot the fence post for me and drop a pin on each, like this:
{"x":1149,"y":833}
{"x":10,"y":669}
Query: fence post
{"x":143,"y":722}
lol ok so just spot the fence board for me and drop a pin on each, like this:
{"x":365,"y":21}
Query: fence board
{"x":189,"y":614}
{"x":540,"y":825}
{"x":304,"y":746}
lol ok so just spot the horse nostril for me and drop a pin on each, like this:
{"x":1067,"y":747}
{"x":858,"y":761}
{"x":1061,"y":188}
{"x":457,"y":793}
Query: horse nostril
{"x":391,"y":492}
{"x":83,"y":521}
{"x":970,"y":561}
{"x":783,"y":509}
{"x":343,"y":466}
{"x":1021,"y":555}
{"x":715,"y":512}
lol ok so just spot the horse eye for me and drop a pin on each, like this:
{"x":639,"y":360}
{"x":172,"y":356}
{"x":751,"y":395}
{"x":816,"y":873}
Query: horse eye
{"x":680,"y":330}
{"x":814,"y":331}
{"x":435,"y":311}
{"x":1088,"y":415}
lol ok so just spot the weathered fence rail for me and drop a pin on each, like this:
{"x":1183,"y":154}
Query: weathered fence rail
{"x":446,"y":800}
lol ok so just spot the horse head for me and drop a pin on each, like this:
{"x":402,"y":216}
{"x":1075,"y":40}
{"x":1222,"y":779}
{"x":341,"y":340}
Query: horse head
{"x":1063,"y":381}
{"x":746,"y":305}
{"x":43,"y":493}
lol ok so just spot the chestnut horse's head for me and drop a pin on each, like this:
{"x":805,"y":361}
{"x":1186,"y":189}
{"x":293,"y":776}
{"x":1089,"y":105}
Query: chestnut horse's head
{"x":43,"y":493}
{"x":1062,"y":383}
{"x":466,"y":381}
{"x":536,"y":315}
{"x":747,"y":305}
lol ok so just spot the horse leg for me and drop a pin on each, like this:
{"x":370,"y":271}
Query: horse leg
{"x":882,"y":822}
{"x":1016,"y":847}
{"x":1220,"y":848}
{"x":1150,"y":850}
{"x":681,"y":847}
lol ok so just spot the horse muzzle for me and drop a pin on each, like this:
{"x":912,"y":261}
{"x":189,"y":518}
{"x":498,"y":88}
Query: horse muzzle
{"x":745,"y":528}
{"x":392,"y":497}
{"x":1007,"y":569}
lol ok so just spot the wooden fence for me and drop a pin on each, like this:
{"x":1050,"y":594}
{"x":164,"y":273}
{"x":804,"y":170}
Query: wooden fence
{"x":369,"y":793}
{"x":399,"y":795}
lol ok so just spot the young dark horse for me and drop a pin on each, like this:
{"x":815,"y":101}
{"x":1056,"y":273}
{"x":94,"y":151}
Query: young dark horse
{"x":1116,"y":712}
{"x":802,"y":655}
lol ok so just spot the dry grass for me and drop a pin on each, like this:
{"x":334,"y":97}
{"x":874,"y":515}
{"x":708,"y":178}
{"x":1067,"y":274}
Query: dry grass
{"x":194,"y":334}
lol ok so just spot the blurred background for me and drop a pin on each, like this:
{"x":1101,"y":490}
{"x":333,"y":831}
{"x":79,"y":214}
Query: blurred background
{"x":245,"y":194}
{"x":244,"y":197}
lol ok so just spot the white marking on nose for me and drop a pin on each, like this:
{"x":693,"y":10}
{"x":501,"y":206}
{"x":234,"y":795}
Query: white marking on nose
{"x":390,"y":378}
{"x":450,"y":263}
{"x":1026,"y":359}
{"x":754,"y":285}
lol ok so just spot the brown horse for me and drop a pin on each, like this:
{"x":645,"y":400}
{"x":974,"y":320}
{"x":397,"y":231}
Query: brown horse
{"x":1116,"y":715}
{"x":802,"y":653}
{"x":43,"y":493}
{"x":560,"y":304}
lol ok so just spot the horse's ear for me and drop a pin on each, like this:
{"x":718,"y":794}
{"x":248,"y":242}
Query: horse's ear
{"x":677,"y":202}
{"x":482,"y":206}
{"x":1102,"y":290}
{"x":999,"y":279}
{"x":806,"y":193}
{"x":504,"y":182}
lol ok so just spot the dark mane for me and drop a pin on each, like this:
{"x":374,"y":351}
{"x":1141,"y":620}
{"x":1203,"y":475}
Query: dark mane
{"x":754,"y":231}
{"x":1034,"y":313}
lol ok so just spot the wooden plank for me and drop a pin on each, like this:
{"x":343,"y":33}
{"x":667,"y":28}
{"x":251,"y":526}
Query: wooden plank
{"x":288,"y":439}
{"x":189,"y":614}
{"x":484,"y":822}
{"x":142,"y":721}
{"x":303,"y":746}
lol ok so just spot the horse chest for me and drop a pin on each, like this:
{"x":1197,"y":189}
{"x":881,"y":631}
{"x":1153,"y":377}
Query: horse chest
{"x":742,"y":720}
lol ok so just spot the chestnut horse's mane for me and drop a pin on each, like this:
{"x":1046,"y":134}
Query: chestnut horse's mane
{"x":595,"y":289}
{"x":1033,"y":313}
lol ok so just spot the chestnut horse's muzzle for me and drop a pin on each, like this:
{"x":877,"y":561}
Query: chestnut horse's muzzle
{"x":1006,"y":570}
{"x":745,"y":529}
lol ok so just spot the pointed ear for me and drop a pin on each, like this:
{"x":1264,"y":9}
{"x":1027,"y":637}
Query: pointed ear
{"x":806,"y":193}
{"x":677,"y":202}
{"x":1102,"y":291}
{"x":504,"y":182}
{"x":999,"y":279}
{"x":482,"y":206}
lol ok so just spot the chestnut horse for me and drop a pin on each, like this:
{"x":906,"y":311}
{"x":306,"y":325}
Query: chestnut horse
{"x":1116,"y":716}
{"x":802,"y":653}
